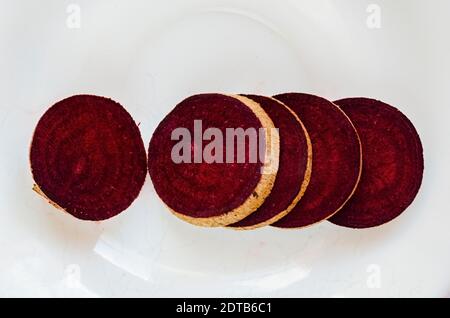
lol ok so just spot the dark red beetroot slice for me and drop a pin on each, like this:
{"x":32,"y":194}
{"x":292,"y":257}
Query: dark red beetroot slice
{"x":294,"y":167}
{"x":87,"y":157}
{"x":210,"y":194}
{"x":392,"y":164}
{"x":336,"y":164}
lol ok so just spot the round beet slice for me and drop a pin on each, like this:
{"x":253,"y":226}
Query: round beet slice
{"x":209,"y":191}
{"x":294,"y":167}
{"x":392,"y":164}
{"x":87,"y":157}
{"x":336,"y":164}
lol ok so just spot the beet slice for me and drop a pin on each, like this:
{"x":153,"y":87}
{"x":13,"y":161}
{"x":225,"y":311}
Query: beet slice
{"x":392,"y":164}
{"x":211,"y":193}
{"x":294,"y":167}
{"x":336,"y":164}
{"x":87,"y":157}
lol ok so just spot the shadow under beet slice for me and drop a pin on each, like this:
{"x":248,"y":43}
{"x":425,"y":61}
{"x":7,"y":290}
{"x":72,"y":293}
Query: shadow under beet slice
{"x":207,"y":191}
{"x":87,"y":157}
{"x":336,"y":161}
{"x":294,"y":167}
{"x":392,"y":164}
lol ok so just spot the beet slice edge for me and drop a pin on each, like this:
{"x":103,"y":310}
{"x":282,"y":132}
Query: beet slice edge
{"x":211,"y":194}
{"x":294,"y":167}
{"x":393,"y":164}
{"x":87,"y":157}
{"x":336,"y":166}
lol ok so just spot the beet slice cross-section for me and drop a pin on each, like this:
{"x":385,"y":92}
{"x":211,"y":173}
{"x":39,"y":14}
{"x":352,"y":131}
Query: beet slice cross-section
{"x":336,"y":165}
{"x":392,"y":164}
{"x":294,"y":167}
{"x":87,"y":157}
{"x":212,"y":191}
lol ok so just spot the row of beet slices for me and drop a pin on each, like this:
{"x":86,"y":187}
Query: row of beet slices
{"x":357,"y":162}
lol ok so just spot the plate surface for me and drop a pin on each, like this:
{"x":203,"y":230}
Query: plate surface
{"x":149,"y":55}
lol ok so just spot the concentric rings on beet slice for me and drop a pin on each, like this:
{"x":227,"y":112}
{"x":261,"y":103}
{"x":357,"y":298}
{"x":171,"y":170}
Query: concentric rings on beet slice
{"x":392,"y":164}
{"x":210,"y":192}
{"x":87,"y":157}
{"x":336,"y":165}
{"x":294,"y":167}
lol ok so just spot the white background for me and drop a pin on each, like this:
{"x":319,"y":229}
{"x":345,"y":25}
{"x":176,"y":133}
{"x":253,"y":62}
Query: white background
{"x":149,"y":55}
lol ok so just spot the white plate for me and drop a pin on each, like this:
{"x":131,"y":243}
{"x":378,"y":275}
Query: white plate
{"x":148,"y":55}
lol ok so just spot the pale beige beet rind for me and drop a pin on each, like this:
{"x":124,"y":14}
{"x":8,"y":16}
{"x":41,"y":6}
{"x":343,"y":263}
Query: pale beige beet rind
{"x":303,"y":183}
{"x":265,"y":184}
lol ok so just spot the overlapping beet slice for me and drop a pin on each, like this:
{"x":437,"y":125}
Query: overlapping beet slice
{"x":336,"y":163}
{"x":294,"y":167}
{"x":392,"y":164}
{"x":87,"y":157}
{"x":211,"y":193}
